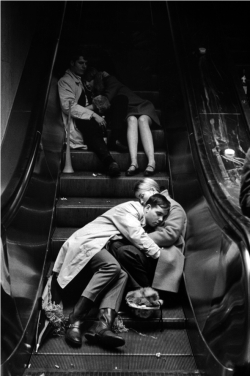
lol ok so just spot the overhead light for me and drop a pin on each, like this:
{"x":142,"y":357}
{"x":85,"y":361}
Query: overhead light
{"x":229,"y":153}
{"x":202,"y":50}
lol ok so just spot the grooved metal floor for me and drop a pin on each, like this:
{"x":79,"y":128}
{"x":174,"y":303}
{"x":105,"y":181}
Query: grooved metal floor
{"x":150,"y":350}
{"x":115,"y":373}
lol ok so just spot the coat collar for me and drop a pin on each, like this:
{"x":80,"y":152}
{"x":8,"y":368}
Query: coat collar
{"x":77,"y":79}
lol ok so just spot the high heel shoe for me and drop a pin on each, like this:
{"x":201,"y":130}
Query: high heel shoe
{"x":132,"y":172}
{"x":149,"y":172}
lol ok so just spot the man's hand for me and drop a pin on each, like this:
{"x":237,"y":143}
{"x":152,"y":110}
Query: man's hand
{"x":100,"y":120}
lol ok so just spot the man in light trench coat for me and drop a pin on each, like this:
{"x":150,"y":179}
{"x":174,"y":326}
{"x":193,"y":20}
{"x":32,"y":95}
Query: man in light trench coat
{"x":103,"y":279}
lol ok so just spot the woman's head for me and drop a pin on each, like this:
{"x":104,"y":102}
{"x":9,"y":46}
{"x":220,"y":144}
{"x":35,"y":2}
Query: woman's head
{"x":93,"y":81}
{"x":145,"y":188}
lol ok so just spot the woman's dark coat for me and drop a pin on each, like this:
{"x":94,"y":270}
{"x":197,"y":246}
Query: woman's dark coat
{"x":136,"y":106}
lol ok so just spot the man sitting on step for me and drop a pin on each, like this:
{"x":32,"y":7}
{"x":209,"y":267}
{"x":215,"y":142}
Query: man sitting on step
{"x":85,"y":256}
{"x":163,"y":273}
{"x":84,"y":122}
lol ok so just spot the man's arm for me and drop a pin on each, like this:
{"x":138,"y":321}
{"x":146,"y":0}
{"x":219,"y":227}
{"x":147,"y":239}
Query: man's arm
{"x":167,"y":234}
{"x":67,"y":95}
{"x":127,"y":221}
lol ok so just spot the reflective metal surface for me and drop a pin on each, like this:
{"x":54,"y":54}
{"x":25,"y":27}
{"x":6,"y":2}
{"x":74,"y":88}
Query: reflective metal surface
{"x":217,"y":269}
{"x":26,"y":245}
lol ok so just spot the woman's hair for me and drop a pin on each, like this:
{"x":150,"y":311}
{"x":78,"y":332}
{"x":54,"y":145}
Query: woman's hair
{"x":93,"y":74}
{"x":158,"y":200}
{"x":146,"y":184}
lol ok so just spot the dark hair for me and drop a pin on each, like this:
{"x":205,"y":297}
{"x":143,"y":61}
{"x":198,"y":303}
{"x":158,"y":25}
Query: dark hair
{"x":90,"y":74}
{"x":76,"y":53}
{"x":93,"y":74}
{"x":158,"y":200}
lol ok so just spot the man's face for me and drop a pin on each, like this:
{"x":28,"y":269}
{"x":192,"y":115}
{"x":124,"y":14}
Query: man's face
{"x":79,"y":66}
{"x":154,"y":216}
{"x":143,"y":195}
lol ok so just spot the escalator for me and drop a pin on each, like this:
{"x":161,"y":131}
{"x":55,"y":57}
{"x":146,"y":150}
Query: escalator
{"x":206,"y":325}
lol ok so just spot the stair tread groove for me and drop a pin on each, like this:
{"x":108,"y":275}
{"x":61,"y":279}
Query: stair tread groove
{"x":89,"y":175}
{"x":92,"y":202}
{"x":52,"y":371}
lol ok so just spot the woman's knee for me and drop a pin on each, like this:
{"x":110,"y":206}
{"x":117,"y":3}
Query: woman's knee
{"x":144,"y":120}
{"x":132,"y":119}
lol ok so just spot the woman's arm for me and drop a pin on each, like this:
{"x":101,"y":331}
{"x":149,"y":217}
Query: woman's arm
{"x":111,"y":87}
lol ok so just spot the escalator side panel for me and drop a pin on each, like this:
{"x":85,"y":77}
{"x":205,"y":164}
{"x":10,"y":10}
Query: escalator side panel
{"x":27,"y":240}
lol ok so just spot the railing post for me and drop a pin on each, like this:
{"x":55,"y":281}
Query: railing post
{"x":68,"y":166}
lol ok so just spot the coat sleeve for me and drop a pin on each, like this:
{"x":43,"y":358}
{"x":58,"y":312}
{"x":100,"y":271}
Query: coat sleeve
{"x":169,"y":233}
{"x":112,"y":86}
{"x":127,"y":221}
{"x":66,"y":94}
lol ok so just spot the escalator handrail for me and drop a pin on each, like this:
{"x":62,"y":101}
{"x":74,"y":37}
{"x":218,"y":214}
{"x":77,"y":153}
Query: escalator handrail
{"x":9,"y":213}
{"x":11,"y":208}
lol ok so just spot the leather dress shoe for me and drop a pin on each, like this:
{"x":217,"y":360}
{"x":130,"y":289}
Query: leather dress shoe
{"x":113,"y":170}
{"x":101,"y":331}
{"x":149,"y":172}
{"x":74,"y":333}
{"x":133,"y":172}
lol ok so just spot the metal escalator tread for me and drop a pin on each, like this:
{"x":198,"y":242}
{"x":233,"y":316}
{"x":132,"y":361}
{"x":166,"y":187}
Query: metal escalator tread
{"x":114,"y":373}
{"x":140,"y":354}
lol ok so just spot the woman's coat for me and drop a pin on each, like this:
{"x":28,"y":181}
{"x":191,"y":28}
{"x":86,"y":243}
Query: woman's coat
{"x":136,"y":105}
{"x":171,"y":236}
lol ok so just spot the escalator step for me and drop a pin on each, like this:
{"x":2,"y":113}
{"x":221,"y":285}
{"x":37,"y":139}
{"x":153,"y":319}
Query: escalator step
{"x":86,"y":185}
{"x":88,"y":160}
{"x":78,"y":211}
{"x":151,"y":350}
{"x":113,"y":373}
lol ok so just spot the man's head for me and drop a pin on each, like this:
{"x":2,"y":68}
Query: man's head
{"x":145,"y":188}
{"x":156,"y":210}
{"x":78,"y":62}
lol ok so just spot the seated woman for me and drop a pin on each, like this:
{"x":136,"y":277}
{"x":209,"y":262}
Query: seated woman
{"x":138,"y":113}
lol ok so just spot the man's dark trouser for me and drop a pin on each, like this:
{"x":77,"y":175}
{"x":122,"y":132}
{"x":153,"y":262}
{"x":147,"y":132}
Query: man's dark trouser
{"x":117,"y":116}
{"x":140,"y":269}
{"x":102,"y":281}
{"x":93,"y":137}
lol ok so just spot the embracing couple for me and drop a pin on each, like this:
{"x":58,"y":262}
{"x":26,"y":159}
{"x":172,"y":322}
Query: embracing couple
{"x":93,"y":95}
{"x":133,"y":245}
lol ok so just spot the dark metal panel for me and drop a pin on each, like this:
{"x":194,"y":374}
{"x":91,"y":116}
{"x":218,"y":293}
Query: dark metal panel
{"x":27,"y":242}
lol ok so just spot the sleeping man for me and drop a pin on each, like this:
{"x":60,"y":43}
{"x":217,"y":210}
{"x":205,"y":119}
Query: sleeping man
{"x":85,"y":256}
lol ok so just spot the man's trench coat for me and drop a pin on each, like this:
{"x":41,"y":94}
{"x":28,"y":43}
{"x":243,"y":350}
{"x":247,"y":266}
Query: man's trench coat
{"x":127,"y":220}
